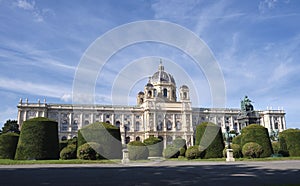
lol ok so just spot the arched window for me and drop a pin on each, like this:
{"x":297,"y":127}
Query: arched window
{"x":107,"y":122}
{"x":149,"y":94}
{"x":159,"y":126}
{"x":276,"y":125}
{"x":184,"y":95}
{"x":137,"y":138}
{"x":165,"y":92}
{"x":86,"y":122}
{"x":154,"y":93}
{"x":64,"y":138}
{"x":169,"y":125}
{"x":178,"y":125}
{"x":118,"y":124}
{"x":137,"y":126}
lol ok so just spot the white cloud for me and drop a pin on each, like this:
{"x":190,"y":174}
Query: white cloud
{"x":25,"y":4}
{"x":37,"y":13}
{"x":47,"y":90}
{"x":265,"y":5}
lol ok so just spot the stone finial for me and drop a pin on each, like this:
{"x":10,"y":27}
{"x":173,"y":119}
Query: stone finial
{"x":44,"y":100}
{"x":20,"y":102}
{"x":26,"y":100}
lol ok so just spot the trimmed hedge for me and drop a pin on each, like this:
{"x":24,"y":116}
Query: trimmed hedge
{"x":69,"y":152}
{"x":38,"y":140}
{"x":177,"y":148}
{"x":237,"y":151}
{"x":155,"y":146}
{"x":258,"y":134}
{"x":290,"y":142}
{"x":237,"y":140}
{"x":193,"y":152}
{"x":89,"y":151}
{"x":107,"y":135}
{"x":8,"y":145}
{"x":209,"y":137}
{"x":252,"y":150}
{"x":171,"y":152}
{"x":137,"y":150}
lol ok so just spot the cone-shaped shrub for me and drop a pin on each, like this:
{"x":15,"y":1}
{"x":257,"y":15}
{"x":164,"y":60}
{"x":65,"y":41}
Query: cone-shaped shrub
{"x":107,"y":135}
{"x":38,"y":140}
{"x":209,"y":138}
{"x":290,"y":142}
{"x":8,"y":145}
{"x":258,"y":134}
{"x":137,"y":150}
{"x":154,"y":145}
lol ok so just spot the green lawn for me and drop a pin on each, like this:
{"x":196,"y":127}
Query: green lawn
{"x":77,"y":161}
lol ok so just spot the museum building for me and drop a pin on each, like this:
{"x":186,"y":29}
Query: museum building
{"x":158,"y":112}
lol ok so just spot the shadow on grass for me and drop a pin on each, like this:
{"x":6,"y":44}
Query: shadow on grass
{"x":228,"y":174}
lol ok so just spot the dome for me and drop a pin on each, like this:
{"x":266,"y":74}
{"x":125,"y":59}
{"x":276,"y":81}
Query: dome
{"x":184,"y":87}
{"x":161,"y":76}
{"x":141,"y":93}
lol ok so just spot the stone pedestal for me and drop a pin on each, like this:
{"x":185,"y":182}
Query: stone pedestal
{"x":125,"y":156}
{"x":229,"y":153}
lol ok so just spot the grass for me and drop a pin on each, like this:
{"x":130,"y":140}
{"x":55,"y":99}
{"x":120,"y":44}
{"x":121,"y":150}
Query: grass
{"x":77,"y":161}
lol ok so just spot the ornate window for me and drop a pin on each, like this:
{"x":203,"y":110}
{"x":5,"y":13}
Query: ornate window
{"x":165,"y":92}
{"x":178,"y":125}
{"x":169,"y":125}
{"x":159,"y":126}
{"x":137,"y":126}
{"x":118,"y":123}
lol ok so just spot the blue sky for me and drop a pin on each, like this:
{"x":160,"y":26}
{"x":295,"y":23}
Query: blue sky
{"x":256,"y":44}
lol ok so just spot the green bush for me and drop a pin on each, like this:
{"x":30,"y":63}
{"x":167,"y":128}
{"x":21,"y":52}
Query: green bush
{"x":38,"y":140}
{"x":237,"y":151}
{"x":72,"y":141}
{"x":193,"y":152}
{"x":107,"y":135}
{"x":137,"y":150}
{"x":276,"y":147}
{"x":171,"y":152}
{"x":69,"y":152}
{"x":89,"y":151}
{"x":8,"y":145}
{"x":182,"y":151}
{"x":258,"y":134}
{"x":209,"y":137}
{"x":155,"y":146}
{"x":237,"y":140}
{"x":252,"y":150}
{"x":290,"y":142}
{"x":62,"y":144}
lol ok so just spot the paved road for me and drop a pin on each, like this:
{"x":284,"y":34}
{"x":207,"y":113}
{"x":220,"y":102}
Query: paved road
{"x":156,"y":173}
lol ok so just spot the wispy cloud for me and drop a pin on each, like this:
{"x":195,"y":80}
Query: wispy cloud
{"x":30,"y":6}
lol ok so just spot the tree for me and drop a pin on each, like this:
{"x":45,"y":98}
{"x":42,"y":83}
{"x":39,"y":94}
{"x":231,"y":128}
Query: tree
{"x":11,"y":126}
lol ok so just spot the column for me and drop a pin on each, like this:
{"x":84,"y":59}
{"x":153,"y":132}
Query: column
{"x":174,"y":122}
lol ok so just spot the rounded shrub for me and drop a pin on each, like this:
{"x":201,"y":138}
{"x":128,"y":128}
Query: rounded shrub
{"x":258,"y":134}
{"x":62,"y":144}
{"x":237,"y":140}
{"x":252,"y":150}
{"x":171,"y":152}
{"x":137,"y":150}
{"x":8,"y":145}
{"x":89,"y":151}
{"x":38,"y":140}
{"x":107,"y":135}
{"x":69,"y":152}
{"x":237,"y":151}
{"x":193,"y":152}
{"x":209,"y":137}
{"x":290,"y":142}
{"x":155,"y":146}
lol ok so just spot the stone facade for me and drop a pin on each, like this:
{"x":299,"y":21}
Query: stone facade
{"x":157,"y":113}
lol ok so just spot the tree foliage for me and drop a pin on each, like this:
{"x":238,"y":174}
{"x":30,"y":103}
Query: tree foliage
{"x":252,"y":150}
{"x":11,"y":126}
